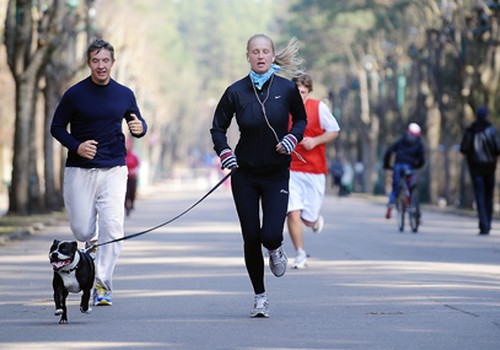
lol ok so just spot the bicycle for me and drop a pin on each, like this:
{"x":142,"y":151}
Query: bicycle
{"x":407,"y":201}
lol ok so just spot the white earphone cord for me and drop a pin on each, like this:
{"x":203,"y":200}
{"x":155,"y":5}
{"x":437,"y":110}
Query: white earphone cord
{"x":265,"y":115}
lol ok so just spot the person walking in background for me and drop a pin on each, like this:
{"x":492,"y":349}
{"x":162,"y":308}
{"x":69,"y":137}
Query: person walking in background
{"x":358,"y":184}
{"x":347,"y":179}
{"x":410,"y":155}
{"x":95,"y":175}
{"x":336,"y":171}
{"x":309,"y":169}
{"x":261,"y":103}
{"x":133,"y":163}
{"x":481,"y":146}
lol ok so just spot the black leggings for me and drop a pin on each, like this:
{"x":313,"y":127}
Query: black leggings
{"x":250,"y":191}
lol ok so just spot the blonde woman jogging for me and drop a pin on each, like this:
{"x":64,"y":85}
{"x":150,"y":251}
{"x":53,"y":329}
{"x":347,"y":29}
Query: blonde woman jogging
{"x":261,"y":103}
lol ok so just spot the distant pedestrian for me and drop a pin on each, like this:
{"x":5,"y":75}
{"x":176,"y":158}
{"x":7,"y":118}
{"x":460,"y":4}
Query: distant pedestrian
{"x":347,"y":179}
{"x":261,"y":103}
{"x":481,"y":146}
{"x":133,"y":164}
{"x":359,"y":169}
{"x":336,"y":171}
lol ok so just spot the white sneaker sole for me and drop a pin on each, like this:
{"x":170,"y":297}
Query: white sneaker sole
{"x":259,"y":315}
{"x":318,"y":226}
{"x":302,"y":265}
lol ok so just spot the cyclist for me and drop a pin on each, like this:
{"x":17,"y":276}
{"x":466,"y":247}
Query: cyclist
{"x":409,"y":155}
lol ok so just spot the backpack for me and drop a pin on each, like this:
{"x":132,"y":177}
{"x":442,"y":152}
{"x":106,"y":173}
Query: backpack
{"x":481,"y":147}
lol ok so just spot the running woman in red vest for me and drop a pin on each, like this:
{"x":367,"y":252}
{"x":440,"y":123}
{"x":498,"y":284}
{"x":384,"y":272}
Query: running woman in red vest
{"x":308,"y":175}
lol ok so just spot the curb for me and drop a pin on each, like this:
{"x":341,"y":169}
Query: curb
{"x":28,"y":231}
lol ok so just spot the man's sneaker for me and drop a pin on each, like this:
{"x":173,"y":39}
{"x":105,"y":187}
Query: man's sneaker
{"x":102,"y":296}
{"x":318,"y":225}
{"x":278,"y":261}
{"x":260,"y":306}
{"x":300,"y":259}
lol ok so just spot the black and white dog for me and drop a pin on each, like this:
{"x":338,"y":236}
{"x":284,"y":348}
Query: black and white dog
{"x":74,"y":271}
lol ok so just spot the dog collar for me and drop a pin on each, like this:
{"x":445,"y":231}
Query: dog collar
{"x":70,"y":270}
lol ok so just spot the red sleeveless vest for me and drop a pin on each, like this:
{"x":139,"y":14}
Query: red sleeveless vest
{"x":315,"y":158}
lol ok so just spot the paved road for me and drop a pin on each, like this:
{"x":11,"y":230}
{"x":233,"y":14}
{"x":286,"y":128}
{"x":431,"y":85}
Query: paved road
{"x":184,"y":286}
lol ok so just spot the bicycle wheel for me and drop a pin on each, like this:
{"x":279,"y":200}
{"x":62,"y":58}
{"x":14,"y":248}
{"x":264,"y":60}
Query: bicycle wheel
{"x":414,"y":211}
{"x":401,"y":207}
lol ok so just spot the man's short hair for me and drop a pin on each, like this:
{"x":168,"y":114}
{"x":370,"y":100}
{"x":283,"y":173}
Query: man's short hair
{"x":304,"y":80}
{"x":97,"y":45}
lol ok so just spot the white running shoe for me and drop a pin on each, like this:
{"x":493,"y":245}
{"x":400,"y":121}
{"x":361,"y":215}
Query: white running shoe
{"x":300,"y":260}
{"x":278,"y":261}
{"x":318,"y":225}
{"x":260,"y":306}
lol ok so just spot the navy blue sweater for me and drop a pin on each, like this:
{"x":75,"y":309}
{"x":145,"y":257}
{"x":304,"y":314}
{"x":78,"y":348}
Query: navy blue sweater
{"x":256,"y":148}
{"x":95,"y":112}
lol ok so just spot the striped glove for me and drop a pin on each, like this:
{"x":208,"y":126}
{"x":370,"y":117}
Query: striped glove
{"x":228,"y":159}
{"x":289,"y":142}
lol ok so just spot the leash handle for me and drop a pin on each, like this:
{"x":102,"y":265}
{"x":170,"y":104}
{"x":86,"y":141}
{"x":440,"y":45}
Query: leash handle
{"x":94,"y":246}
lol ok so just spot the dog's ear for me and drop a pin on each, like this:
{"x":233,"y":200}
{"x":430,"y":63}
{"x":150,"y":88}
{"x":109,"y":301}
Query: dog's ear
{"x":75,"y":243}
{"x":54,"y":245}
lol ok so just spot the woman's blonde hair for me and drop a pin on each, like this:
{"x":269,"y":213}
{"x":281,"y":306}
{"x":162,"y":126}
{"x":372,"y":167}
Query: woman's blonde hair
{"x":287,"y":58}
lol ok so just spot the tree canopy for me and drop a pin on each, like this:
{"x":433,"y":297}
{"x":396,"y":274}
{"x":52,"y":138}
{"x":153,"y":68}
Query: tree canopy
{"x":380,"y":64}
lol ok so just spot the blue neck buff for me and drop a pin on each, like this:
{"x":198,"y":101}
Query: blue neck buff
{"x":259,"y":80}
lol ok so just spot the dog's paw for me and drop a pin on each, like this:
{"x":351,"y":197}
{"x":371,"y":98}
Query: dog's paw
{"x":58,"y":312}
{"x":88,"y":311}
{"x":63,"y":321}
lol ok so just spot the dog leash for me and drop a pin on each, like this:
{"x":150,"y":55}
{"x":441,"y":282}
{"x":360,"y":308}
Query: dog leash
{"x":94,"y":246}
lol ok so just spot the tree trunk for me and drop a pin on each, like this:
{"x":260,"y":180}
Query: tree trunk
{"x":19,"y":194}
{"x":53,"y":187}
{"x":28,"y":52}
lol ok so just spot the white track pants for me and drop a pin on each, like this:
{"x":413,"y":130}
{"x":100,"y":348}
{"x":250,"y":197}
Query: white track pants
{"x":94,"y":199}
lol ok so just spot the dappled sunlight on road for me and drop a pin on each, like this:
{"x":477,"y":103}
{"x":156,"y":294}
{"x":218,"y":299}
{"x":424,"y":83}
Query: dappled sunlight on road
{"x":185,"y":261}
{"x":199,"y":228}
{"x":148,"y":293}
{"x":381,"y":266}
{"x":55,"y":345}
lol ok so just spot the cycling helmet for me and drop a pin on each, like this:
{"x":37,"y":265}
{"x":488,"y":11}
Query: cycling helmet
{"x":414,"y":129}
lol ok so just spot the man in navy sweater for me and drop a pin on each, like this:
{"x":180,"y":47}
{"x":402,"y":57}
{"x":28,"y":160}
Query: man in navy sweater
{"x":95,"y":176}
